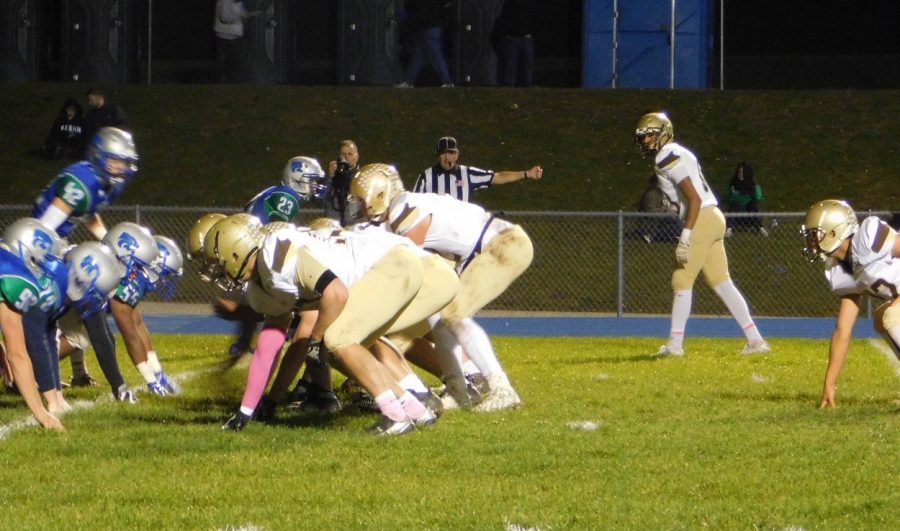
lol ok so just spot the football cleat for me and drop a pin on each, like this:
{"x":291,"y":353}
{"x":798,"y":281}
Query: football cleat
{"x":430,"y":401}
{"x":386,"y":426}
{"x":83,"y":380}
{"x":760,"y":347}
{"x":479,"y":382}
{"x":463,"y":394}
{"x":157,"y":389}
{"x":124,"y":394}
{"x":265,"y":411}
{"x":238,"y":349}
{"x":429,"y":418}
{"x":237,"y":422}
{"x":320,"y":400}
{"x":168,"y":383}
{"x":667,"y":351}
{"x":500,"y":398}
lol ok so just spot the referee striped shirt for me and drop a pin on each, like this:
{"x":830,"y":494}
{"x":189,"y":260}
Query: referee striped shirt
{"x":459,"y":182}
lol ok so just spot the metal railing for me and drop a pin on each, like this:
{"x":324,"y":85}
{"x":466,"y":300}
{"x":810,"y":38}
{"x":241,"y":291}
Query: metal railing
{"x":590,"y":262}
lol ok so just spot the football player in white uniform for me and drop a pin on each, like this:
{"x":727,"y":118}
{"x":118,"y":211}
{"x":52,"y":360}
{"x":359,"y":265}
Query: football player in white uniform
{"x":289,"y":267}
{"x":860,"y":258}
{"x":489,"y":253}
{"x":700,"y":246}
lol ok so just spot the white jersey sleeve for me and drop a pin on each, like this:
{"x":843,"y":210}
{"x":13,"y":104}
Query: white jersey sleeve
{"x":841,"y":281}
{"x":873,"y":242}
{"x":455,"y":229}
{"x":675,"y":163}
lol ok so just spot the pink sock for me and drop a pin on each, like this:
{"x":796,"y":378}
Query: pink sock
{"x":390,"y":407}
{"x":268,"y":346}
{"x":412,"y":406}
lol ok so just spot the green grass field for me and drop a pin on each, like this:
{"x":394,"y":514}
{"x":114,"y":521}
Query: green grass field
{"x":714,"y":440}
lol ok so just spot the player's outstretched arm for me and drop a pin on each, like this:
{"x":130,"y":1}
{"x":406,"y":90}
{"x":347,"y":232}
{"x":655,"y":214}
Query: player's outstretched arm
{"x":840,"y":346}
{"x":503,"y":177}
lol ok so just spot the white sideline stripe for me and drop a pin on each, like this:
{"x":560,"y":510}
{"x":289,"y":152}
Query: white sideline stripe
{"x":29,"y":421}
{"x":888,"y":353}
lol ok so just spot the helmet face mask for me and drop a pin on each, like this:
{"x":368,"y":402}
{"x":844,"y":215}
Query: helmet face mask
{"x":827,"y":224}
{"x":653,"y":131}
{"x":306,"y":177}
{"x":376,"y":185}
{"x":169,"y":267}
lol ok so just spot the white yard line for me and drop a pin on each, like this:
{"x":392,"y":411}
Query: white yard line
{"x":29,"y":421}
{"x":888,"y":353}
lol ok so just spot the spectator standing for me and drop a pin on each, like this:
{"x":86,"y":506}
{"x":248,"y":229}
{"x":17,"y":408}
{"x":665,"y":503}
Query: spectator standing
{"x":67,"y":134}
{"x":744,"y":195}
{"x":228,"y":26}
{"x":423,"y":32}
{"x":459,"y":181}
{"x":103,"y":114}
{"x":515,"y":26}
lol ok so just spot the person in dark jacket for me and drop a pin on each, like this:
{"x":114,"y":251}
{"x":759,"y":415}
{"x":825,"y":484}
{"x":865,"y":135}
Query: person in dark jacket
{"x":515,"y":27}
{"x":67,"y":135}
{"x":744,"y":195}
{"x":103,"y":114}
{"x":422,"y":30}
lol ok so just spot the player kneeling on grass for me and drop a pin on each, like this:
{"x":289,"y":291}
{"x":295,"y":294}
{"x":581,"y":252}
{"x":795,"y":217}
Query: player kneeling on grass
{"x":148,"y":262}
{"x":490,"y":253}
{"x":289,"y":267}
{"x":860,"y":258}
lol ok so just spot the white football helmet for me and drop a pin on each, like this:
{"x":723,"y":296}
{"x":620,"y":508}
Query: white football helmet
{"x":94,"y":272}
{"x":33,"y":242}
{"x":827,"y":224}
{"x":169,"y":266}
{"x":306,"y":177}
{"x":135,"y":247}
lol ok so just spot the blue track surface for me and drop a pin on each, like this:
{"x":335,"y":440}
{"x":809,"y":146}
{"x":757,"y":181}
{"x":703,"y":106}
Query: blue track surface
{"x":571,"y":326}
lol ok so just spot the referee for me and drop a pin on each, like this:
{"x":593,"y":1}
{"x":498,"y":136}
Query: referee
{"x":448,"y":177}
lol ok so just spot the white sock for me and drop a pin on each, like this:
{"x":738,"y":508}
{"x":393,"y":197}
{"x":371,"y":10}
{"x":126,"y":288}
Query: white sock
{"x":411,"y":382}
{"x":444,"y":344}
{"x":477,"y":345}
{"x":736,"y":304}
{"x":145,"y":370}
{"x":153,"y":360}
{"x":470,"y":368}
{"x":681,"y":310}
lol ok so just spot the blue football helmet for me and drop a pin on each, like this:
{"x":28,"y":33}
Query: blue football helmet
{"x":305,"y":176}
{"x":94,"y":272}
{"x":33,"y":242}
{"x":169,"y":266}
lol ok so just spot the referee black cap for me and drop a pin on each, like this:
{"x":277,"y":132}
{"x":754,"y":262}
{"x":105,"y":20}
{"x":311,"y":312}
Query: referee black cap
{"x":447,"y":143}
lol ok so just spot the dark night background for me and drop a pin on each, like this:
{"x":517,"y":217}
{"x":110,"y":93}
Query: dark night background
{"x":768,"y":43}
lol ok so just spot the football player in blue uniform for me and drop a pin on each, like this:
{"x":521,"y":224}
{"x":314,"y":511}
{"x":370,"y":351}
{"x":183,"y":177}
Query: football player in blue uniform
{"x":303,"y":180}
{"x":92,"y":272}
{"x":141,"y":255}
{"x":75,"y":196}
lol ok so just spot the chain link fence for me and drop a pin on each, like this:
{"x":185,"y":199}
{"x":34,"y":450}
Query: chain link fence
{"x":617,"y":263}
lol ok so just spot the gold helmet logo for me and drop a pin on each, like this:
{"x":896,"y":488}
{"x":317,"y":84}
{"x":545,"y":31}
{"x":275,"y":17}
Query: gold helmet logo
{"x":827,"y":224}
{"x":325,"y":224}
{"x":377,"y":185}
{"x":275,"y":226}
{"x":653,"y":131}
{"x":231,"y":244}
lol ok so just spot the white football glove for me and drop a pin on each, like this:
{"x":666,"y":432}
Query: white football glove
{"x":683,"y":247}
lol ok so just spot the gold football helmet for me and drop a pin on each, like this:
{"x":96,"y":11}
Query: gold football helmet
{"x":231,"y":244}
{"x":198,"y":232}
{"x":377,"y":185}
{"x":275,"y":226}
{"x":656,"y":125}
{"x":325,"y":224}
{"x":827,"y":224}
